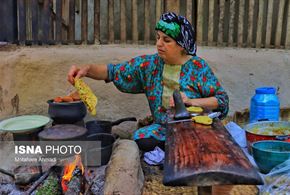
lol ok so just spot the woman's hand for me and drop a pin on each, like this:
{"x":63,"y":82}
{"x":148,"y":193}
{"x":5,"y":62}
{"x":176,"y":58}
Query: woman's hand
{"x":185,"y":100}
{"x":75,"y":73}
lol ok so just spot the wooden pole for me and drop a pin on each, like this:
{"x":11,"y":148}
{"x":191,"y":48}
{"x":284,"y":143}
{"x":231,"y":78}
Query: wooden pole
{"x":34,"y":10}
{"x":189,"y":10}
{"x":21,"y":21}
{"x":97,"y":21}
{"x":260,"y":24}
{"x":134,"y":22}
{"x":231,"y":22}
{"x":172,"y":6}
{"x":241,"y":23}
{"x":58,"y":21}
{"x":221,"y":22}
{"x":250,"y":23}
{"x":287,"y":41}
{"x":84,"y":20}
{"x":147,"y":22}
{"x":71,"y":31}
{"x":111,"y":31}
{"x":123,"y":28}
{"x":200,"y":20}
{"x":269,"y":23}
{"x":210,"y":22}
{"x":279,"y":24}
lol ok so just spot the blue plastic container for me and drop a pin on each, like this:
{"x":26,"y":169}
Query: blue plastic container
{"x":265,"y":105}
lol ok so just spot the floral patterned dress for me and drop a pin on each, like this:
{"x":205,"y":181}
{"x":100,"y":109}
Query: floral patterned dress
{"x":143,"y":74}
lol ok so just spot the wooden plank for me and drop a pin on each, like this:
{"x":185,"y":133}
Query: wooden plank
{"x":250,"y":23}
{"x":241,"y":23}
{"x":147,"y":22}
{"x":46,"y":22}
{"x":111,"y":32}
{"x":134,"y":21}
{"x":71,"y":30}
{"x":210,"y":22}
{"x":84,"y":21}
{"x":221,"y":22}
{"x":287,"y":41}
{"x":97,"y":21}
{"x":260,"y":24}
{"x":231,"y":22}
{"x":205,"y":155}
{"x":269,"y":23}
{"x":200,"y":20}
{"x":58,"y":23}
{"x":22,"y":21}
{"x":279,"y":24}
{"x":34,"y":22}
{"x":172,"y":6}
{"x":189,"y":10}
{"x":158,"y":9}
{"x":123,"y":28}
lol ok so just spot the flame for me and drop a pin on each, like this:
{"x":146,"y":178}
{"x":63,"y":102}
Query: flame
{"x":68,"y":171}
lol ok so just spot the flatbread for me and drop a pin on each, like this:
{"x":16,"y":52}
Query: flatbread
{"x":87,"y":96}
{"x":195,"y":109}
{"x":205,"y":120}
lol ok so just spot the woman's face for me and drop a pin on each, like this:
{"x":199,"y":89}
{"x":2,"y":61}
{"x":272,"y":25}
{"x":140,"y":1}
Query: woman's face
{"x":167,"y":48}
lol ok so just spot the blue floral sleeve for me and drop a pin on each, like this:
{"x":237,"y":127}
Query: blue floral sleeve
{"x":127,"y":76}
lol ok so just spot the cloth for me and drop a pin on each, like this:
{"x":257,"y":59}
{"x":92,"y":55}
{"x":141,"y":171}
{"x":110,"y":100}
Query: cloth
{"x":178,"y":28}
{"x":237,"y":133}
{"x":170,"y":76}
{"x":154,"y":157}
{"x":143,"y":74}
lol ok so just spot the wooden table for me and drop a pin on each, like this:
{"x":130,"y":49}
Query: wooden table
{"x":203,"y":156}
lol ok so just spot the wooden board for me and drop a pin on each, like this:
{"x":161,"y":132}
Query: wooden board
{"x":204,"y":156}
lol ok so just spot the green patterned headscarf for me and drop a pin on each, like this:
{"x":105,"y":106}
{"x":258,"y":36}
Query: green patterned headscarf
{"x":178,"y":28}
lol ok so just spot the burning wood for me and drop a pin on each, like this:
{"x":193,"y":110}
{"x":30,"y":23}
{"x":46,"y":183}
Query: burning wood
{"x":72,"y":179}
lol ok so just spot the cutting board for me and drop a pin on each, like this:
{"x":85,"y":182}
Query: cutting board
{"x":205,"y":155}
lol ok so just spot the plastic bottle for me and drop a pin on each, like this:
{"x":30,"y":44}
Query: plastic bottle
{"x":265,"y":105}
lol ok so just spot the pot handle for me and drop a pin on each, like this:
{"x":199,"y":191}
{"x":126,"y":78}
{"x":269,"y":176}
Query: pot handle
{"x":117,"y":122}
{"x":264,"y":119}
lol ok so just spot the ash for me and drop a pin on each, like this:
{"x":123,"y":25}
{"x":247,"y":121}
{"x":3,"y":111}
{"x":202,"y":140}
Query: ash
{"x":99,"y":181}
{"x":9,"y":189}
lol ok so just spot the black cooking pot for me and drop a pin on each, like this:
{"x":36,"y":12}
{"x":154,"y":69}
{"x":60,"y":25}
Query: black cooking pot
{"x":102,"y":126}
{"x":100,"y":155}
{"x":66,"y":112}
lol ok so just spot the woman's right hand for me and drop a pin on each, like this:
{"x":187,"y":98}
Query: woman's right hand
{"x":76,"y":73}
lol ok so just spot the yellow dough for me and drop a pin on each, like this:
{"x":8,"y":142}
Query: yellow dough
{"x":194,"y":109}
{"x":205,"y":120}
{"x":87,"y":96}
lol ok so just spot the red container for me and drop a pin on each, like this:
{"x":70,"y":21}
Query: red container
{"x":266,"y":130}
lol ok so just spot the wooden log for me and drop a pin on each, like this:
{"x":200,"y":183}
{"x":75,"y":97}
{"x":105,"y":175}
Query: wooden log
{"x":97,"y":21}
{"x":260,"y":24}
{"x":159,"y":9}
{"x":287,"y":41}
{"x":147,"y":22}
{"x":269,"y":23}
{"x":279,"y":24}
{"x":111,"y":31}
{"x":76,"y":183}
{"x":71,"y":31}
{"x":84,"y":21}
{"x":240,"y":33}
{"x":58,"y":22}
{"x":34,"y":22}
{"x":134,"y":22}
{"x":200,"y":20}
{"x":22,"y":21}
{"x":123,"y":28}
{"x":250,"y":23}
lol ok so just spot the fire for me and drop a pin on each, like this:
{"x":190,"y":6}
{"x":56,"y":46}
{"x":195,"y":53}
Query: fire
{"x":68,"y":171}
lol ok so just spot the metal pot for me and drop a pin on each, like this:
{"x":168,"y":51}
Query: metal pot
{"x":266,"y":130}
{"x":102,"y":126}
{"x":66,"y":112}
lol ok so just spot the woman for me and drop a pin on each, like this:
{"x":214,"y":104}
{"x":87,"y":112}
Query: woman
{"x":175,"y":66}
